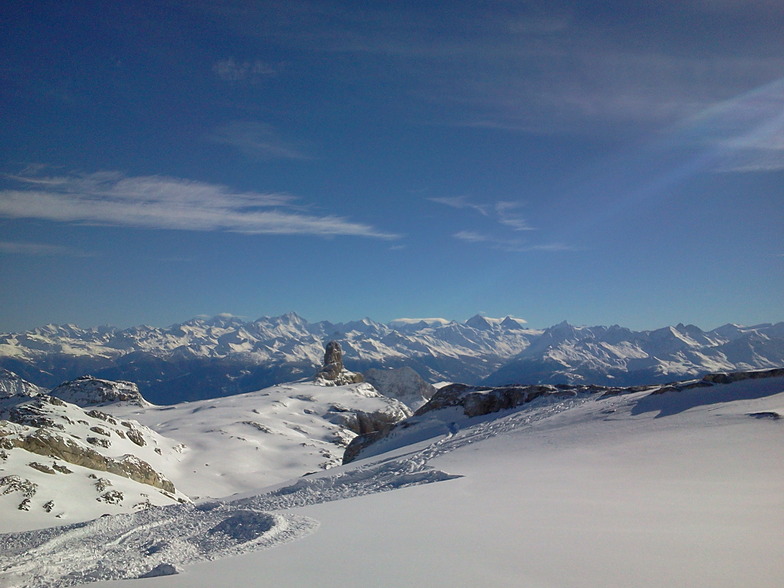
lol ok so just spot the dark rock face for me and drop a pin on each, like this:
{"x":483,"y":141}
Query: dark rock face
{"x":729,"y":377}
{"x":333,"y":360}
{"x":475,"y":400}
{"x":333,"y":373}
{"x":479,"y":400}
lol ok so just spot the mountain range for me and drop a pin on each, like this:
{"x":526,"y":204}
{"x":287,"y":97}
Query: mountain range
{"x":225,"y":355}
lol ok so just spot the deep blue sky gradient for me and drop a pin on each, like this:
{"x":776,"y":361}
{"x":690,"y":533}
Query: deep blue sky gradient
{"x":600,"y":162}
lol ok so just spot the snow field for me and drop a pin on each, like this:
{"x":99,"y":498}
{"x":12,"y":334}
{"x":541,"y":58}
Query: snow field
{"x":682,"y":488}
{"x":634,"y":490}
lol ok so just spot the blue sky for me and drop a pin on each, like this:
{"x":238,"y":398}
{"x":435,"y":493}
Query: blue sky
{"x":597,"y":162}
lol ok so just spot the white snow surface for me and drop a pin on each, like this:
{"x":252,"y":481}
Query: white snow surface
{"x":249,"y":441}
{"x":681,"y":488}
{"x":11,"y":385}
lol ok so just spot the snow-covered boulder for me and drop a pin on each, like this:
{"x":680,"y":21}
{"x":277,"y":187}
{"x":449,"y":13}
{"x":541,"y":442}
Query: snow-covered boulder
{"x":90,"y":391}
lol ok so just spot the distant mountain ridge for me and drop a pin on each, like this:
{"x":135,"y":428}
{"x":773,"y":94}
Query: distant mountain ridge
{"x":224,"y":355}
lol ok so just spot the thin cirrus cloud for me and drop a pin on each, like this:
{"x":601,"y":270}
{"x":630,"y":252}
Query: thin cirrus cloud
{"x":500,"y":243}
{"x":746,"y":133}
{"x":230,"y":70}
{"x":502,"y":212}
{"x":506,"y":214}
{"x":510,"y":245}
{"x":256,"y":140}
{"x":161,"y":202}
{"x":40,"y":249}
{"x":462,"y":202}
{"x":540,"y":66}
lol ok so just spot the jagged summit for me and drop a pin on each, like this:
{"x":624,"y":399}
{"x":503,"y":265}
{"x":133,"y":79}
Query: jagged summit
{"x":479,"y":322}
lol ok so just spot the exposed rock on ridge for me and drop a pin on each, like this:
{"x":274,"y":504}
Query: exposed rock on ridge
{"x":39,"y":427}
{"x":480,"y":400}
{"x":83,"y":452}
{"x":474,"y":400}
{"x":333,"y":373}
{"x":91,"y":391}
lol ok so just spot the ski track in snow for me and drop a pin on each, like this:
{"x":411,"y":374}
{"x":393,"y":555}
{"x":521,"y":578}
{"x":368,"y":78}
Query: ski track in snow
{"x":162,"y":540}
{"x":133,"y":545}
{"x":411,"y":469}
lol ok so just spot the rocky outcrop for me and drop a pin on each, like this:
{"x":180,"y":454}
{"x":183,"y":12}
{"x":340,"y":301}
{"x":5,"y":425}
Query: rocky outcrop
{"x":403,"y":384}
{"x":333,"y":373}
{"x":90,"y":391}
{"x":48,"y":426}
{"x":729,"y":377}
{"x":365,"y":422}
{"x":474,"y":400}
{"x":479,"y":400}
{"x":43,"y":441}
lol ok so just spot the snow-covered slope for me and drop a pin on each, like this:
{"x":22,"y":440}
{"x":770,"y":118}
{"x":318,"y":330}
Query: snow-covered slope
{"x":223,"y":355}
{"x":209,"y":448}
{"x":60,"y":463}
{"x":14,"y":387}
{"x":247,"y":441}
{"x":667,"y":486}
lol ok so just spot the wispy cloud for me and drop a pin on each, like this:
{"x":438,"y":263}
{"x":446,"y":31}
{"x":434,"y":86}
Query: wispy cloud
{"x":462,"y":202}
{"x":494,"y":241}
{"x":506,"y":211}
{"x":256,"y":140}
{"x":40,"y":249}
{"x":233,"y":71}
{"x":746,"y":134}
{"x":511,"y":245}
{"x":541,"y":66}
{"x":162,"y":202}
{"x":501,"y":212}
